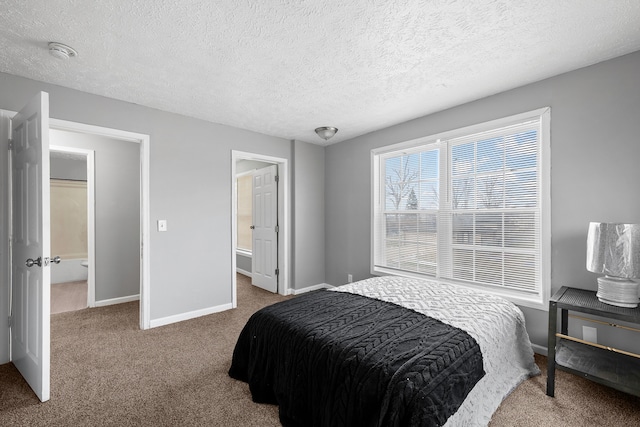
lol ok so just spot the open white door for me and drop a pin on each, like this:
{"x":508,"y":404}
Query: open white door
{"x":31,"y":280}
{"x":264,"y":264}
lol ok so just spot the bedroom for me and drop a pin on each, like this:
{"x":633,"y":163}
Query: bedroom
{"x":594,"y":114}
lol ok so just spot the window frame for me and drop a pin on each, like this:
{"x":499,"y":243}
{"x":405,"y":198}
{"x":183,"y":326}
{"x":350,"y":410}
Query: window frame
{"x":537,"y":300}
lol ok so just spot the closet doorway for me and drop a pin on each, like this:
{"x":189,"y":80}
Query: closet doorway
{"x":245,"y":165}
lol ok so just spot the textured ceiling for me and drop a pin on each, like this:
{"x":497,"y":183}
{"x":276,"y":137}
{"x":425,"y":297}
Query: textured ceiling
{"x":285,"y":67}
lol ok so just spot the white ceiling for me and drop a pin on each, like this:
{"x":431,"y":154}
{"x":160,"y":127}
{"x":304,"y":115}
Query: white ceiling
{"x":285,"y":67}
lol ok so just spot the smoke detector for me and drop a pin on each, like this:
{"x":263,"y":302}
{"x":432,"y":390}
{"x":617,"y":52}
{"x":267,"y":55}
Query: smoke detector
{"x":62,"y":51}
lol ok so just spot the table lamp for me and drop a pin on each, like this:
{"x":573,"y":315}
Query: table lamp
{"x":614,"y":250}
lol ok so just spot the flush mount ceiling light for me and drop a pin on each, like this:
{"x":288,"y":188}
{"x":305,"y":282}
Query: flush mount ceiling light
{"x":62,"y":51}
{"x":326,"y":132}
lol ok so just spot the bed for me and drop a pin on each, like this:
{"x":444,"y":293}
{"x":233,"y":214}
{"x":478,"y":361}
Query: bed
{"x":385,"y":351}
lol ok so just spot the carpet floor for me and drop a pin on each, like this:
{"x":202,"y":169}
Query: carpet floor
{"x":105,"y":371}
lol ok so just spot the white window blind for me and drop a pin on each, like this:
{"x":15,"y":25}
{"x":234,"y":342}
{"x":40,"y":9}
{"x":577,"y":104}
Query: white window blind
{"x":465,"y":207}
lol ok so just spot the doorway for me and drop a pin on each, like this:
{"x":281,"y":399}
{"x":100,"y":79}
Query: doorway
{"x":142,"y":213}
{"x":72,"y":228}
{"x":239,"y":158}
{"x":257,"y":221}
{"x":117,"y":212}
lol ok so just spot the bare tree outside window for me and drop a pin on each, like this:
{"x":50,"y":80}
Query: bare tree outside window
{"x":491,"y":192}
{"x":460,"y":197}
{"x":400,"y":183}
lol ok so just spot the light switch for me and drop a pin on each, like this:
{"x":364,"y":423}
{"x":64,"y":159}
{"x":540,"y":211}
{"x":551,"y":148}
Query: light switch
{"x":162,"y":225}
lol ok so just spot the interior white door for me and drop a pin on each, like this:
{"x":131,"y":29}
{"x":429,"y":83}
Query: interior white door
{"x":265,"y":234}
{"x":31,"y":280}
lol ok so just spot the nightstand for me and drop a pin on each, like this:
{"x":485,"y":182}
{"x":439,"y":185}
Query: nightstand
{"x":605,"y":365}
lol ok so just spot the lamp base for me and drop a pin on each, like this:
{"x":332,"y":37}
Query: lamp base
{"x":618,"y":292}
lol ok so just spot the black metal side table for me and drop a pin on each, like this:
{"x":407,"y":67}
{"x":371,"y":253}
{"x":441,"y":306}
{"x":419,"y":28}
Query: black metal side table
{"x":605,"y":365}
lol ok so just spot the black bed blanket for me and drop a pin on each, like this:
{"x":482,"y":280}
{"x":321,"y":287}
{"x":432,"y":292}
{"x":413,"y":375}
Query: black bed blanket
{"x":340,"y":359}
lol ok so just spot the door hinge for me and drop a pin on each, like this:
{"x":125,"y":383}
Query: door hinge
{"x":277,"y":271}
{"x":277,"y":178}
{"x":277,"y":228}
{"x":11,"y":321}
{"x":10,"y":144}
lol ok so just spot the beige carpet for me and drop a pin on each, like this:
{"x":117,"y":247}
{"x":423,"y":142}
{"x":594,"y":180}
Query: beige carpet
{"x":69,"y":296}
{"x":577,"y":403}
{"x":106,"y":372}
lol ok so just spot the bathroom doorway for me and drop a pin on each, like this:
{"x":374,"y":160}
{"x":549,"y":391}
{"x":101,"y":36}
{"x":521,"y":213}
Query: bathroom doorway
{"x":72,"y":228}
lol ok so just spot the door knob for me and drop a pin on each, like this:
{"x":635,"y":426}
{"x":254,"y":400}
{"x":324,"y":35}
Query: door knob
{"x":252,"y":227}
{"x":56,"y":260}
{"x":32,"y":262}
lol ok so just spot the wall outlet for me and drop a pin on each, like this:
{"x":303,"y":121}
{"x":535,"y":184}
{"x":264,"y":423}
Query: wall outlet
{"x":349,"y":278}
{"x":590,"y":334}
{"x":162,"y":225}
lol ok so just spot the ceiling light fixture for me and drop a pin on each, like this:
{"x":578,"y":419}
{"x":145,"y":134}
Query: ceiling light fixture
{"x":62,"y":51}
{"x":326,"y":132}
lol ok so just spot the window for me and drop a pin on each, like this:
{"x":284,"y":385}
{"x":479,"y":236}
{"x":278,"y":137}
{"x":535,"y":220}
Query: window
{"x":468,"y":207}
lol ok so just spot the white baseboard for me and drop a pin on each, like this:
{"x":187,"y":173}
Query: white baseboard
{"x":120,"y":300}
{"x":539,"y":349}
{"x":189,"y":315}
{"x":245,"y":272}
{"x":309,"y":289}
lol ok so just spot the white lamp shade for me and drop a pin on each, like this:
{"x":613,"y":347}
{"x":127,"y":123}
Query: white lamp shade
{"x":614,"y":249}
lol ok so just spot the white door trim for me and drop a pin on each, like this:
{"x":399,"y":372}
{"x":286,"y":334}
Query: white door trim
{"x":143,"y":140}
{"x":91,"y":216}
{"x":283,"y":214}
{"x":5,"y":213}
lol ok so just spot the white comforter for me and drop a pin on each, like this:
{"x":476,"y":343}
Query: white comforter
{"x":496,"y":324}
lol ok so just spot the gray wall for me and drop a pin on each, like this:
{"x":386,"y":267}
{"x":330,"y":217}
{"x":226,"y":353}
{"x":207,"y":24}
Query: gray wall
{"x":190,"y":187}
{"x":595,"y":150}
{"x":247,"y":165}
{"x":117,"y":208}
{"x":243,"y":262}
{"x":73,"y":169}
{"x":308,"y":218}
